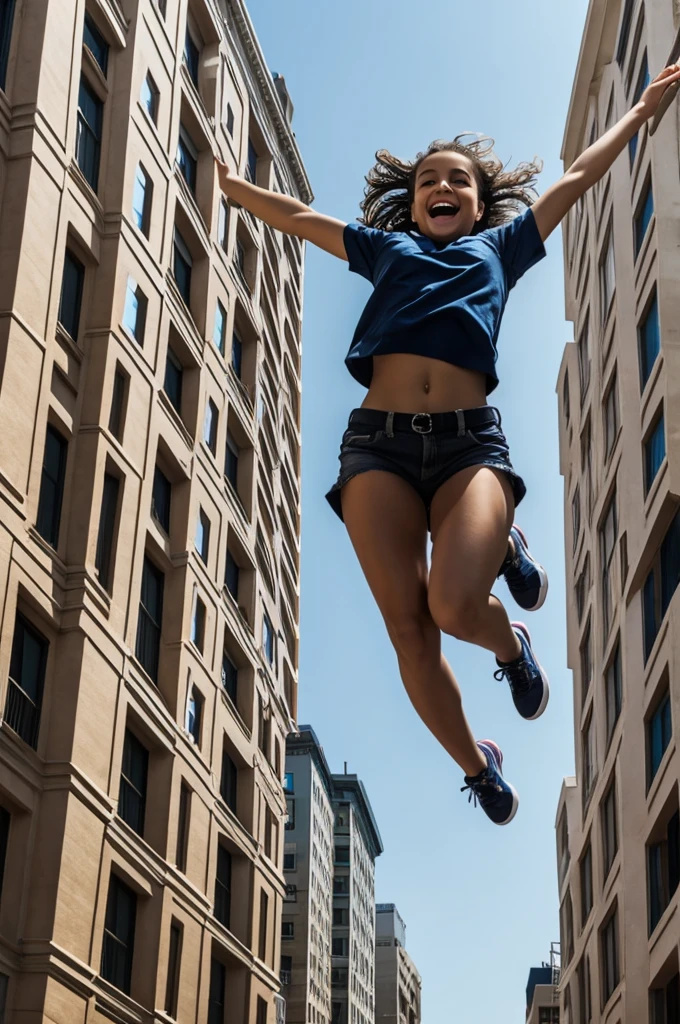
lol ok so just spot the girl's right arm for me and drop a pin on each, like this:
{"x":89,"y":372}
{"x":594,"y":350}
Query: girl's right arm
{"x":284,"y":213}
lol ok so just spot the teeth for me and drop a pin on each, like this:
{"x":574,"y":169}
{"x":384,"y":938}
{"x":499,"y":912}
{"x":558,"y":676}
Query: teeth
{"x":443,"y":209}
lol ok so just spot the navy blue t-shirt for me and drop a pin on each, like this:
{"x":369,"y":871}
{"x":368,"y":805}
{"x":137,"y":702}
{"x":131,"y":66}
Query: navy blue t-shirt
{"x":445,"y":302}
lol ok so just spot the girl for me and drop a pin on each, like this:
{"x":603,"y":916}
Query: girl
{"x":443,"y":245}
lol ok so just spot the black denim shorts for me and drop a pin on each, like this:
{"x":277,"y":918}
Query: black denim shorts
{"x":425,"y":449}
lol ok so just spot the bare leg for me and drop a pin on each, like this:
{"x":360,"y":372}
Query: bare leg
{"x":386,"y":522}
{"x":471,"y":517}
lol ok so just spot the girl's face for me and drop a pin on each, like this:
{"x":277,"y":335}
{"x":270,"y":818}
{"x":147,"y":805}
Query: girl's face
{"x":445,"y":204}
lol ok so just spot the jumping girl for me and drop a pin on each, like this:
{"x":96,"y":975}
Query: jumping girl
{"x":443,"y":243}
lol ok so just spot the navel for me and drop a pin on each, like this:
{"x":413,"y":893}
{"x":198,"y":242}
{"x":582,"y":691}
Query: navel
{"x":427,"y":388}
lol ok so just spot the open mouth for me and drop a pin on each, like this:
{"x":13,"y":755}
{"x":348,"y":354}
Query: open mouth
{"x":443,"y":210}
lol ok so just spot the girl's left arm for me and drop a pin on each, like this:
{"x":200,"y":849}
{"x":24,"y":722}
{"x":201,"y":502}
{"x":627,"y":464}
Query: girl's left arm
{"x":595,"y":161}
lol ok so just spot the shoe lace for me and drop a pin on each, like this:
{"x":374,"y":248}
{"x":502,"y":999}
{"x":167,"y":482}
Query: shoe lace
{"x":516,"y":571}
{"x":482,"y":790}
{"x":518,"y":676}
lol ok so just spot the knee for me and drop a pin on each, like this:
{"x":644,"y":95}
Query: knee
{"x":414,"y":637}
{"x":459,"y":617}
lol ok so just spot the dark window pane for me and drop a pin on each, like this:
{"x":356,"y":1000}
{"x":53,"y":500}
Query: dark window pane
{"x":643,"y":217}
{"x":173,"y":380}
{"x":223,"y":887}
{"x":220,"y":330}
{"x":609,"y":829}
{"x":251,"y":166}
{"x":237,"y":354}
{"x":71,"y":295}
{"x":230,"y":119}
{"x":119,"y":935}
{"x":183,"y":826}
{"x":228,"y":782}
{"x":613,"y":692}
{"x":6,"y":22}
{"x":161,"y":499}
{"x":5,"y":821}
{"x":649,"y":616}
{"x":191,"y":57}
{"x":134,"y":314}
{"x":264,"y":910}
{"x":52,"y":486}
{"x":670,"y":564}
{"x":202,"y":541}
{"x":186,"y":160}
{"x":26,"y":681}
{"x":141,"y":200}
{"x":655,"y":452}
{"x":149,"y":97}
{"x":119,"y":394}
{"x":210,"y":425}
{"x":133,"y":777}
{"x":96,"y":44}
{"x":624,"y":35}
{"x":231,"y":462}
{"x":268,"y":638}
{"x":217,"y":998}
{"x":223,"y":225}
{"x":150,"y":617}
{"x":660,"y":730}
{"x":195,"y":714}
{"x":174,"y":959}
{"x":89,"y":133}
{"x":182,"y":267}
{"x":229,"y":676}
{"x":107,"y":529}
{"x":232,"y":576}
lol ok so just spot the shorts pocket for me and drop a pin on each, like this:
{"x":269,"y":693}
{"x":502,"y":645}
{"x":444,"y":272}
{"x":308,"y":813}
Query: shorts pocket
{"x":354,"y":438}
{"x":490,"y":434}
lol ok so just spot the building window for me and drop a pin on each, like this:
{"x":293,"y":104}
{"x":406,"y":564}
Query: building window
{"x":624,"y":34}
{"x":340,"y":947}
{"x":119,"y":935}
{"x":52,"y":486}
{"x":610,"y":957}
{"x":198,"y":625}
{"x":663,"y":870}
{"x":289,"y":783}
{"x":340,"y":885}
{"x":576,"y":516}
{"x":566,"y":404}
{"x":643,"y":216}
{"x":643,"y":81}
{"x":6,"y":23}
{"x":229,"y":677}
{"x":71,"y":295}
{"x":237,"y":355}
{"x":654,"y":451}
{"x":172,"y":385}
{"x":290,"y":815}
{"x":222,"y":911}
{"x":286,"y":969}
{"x":231,"y":576}
{"x":229,"y":781}
{"x":118,"y":403}
{"x":5,"y":822}
{"x":611,"y":416}
{"x":264,"y":911}
{"x":134,"y":314}
{"x":182,"y":265}
{"x":610,"y":838}
{"x":582,"y":588}
{"x":223,"y":224}
{"x":187,"y":160}
{"x":584,"y":358}
{"x":649,"y":341}
{"x":586,"y":885}
{"x":268,"y":638}
{"x":289,"y":860}
{"x":184,"y":817}
{"x":231,"y":461}
{"x":195,"y":715}
{"x":261,"y":1016}
{"x":608,"y":535}
{"x":89,"y":133}
{"x":661,"y":584}
{"x":240,"y":255}
{"x":613,"y":692}
{"x":133,"y":779}
{"x":340,"y":916}
{"x":150,"y":619}
{"x":287,"y":929}
{"x":202,"y":541}
{"x":251,"y":166}
{"x":26,"y":681}
{"x":216,"y":995}
{"x":563,"y":855}
{"x":587,"y":464}
{"x":230,"y":119}
{"x":96,"y":44}
{"x":665,"y":1002}
{"x":174,"y":960}
{"x":210,"y":425}
{"x":341,"y":855}
{"x":161,"y":499}
{"x":586,"y":653}
{"x":191,"y":56}
{"x":107,"y":530}
{"x":567,"y":930}
{"x":220,"y":329}
{"x":585,"y":1000}
{"x":142,"y":197}
{"x":659,"y":734}
{"x":589,"y":759}
{"x":607,"y":274}
{"x":150,"y":97}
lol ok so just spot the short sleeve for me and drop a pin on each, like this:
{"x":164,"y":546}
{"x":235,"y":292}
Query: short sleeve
{"x":363,"y":245}
{"x":518,"y":244}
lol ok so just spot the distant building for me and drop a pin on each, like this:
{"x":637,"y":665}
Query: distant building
{"x":397,"y":982}
{"x":543,"y":1002}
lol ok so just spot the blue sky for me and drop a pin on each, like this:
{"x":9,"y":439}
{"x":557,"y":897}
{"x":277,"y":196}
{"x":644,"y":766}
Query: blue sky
{"x":480,"y":902}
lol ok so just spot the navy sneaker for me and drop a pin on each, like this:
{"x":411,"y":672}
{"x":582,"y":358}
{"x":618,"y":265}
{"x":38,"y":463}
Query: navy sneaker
{"x":528,"y":682}
{"x":527,"y":580}
{"x":497,"y":798}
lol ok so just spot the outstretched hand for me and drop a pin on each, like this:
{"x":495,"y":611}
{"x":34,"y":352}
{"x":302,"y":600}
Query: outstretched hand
{"x":653,"y":94}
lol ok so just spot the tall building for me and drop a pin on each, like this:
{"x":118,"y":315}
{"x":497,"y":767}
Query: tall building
{"x":149,"y":476}
{"x":357,"y":845}
{"x":543,"y":1000}
{"x":618,"y":826}
{"x":397,"y":982}
{"x":308,"y":868}
{"x":328,"y":926}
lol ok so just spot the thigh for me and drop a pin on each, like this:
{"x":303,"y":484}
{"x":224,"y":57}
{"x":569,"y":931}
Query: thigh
{"x":471,"y":517}
{"x":387,"y":524}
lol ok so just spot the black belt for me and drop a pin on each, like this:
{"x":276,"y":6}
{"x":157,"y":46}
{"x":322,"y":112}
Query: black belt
{"x":427,"y":422}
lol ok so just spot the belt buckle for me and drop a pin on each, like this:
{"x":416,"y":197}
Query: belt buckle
{"x":427,"y":429}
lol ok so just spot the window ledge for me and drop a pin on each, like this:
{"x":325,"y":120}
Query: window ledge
{"x":654,"y":654}
{"x":653,"y":491}
{"x":176,"y":420}
{"x":85,"y":187}
{"x":664,"y":921}
{"x":65,"y":339}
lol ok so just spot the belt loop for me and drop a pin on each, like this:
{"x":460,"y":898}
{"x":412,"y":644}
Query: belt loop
{"x":389,"y":424}
{"x":460,"y":416}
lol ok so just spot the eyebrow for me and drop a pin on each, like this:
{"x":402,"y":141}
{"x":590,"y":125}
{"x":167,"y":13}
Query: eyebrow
{"x":455,"y":170}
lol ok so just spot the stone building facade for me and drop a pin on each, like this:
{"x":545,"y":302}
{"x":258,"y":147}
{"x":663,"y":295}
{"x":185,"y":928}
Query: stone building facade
{"x":397,"y":982}
{"x":149,"y":541}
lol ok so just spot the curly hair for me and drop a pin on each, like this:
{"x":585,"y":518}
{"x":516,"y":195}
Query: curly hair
{"x":390,"y":184}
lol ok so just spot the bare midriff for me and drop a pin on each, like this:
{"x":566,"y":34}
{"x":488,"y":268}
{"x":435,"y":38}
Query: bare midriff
{"x":412,"y":383}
